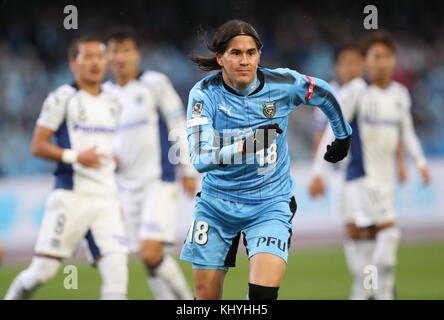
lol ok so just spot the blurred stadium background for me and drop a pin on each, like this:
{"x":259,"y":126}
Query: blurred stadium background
{"x":302,"y":35}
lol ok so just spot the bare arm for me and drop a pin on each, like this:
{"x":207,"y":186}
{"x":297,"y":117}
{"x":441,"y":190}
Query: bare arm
{"x":42,"y":148}
{"x":400,"y":161}
{"x":412,"y":145}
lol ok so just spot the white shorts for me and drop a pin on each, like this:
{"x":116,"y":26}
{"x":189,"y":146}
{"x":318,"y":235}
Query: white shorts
{"x":150,"y":214}
{"x":373,"y":203}
{"x":71,"y":217}
{"x":343,"y":208}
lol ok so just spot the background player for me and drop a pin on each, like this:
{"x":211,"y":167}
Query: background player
{"x":84,"y":202}
{"x":240,"y":115}
{"x":359,"y":242}
{"x":146,"y":177}
{"x":349,"y":71}
{"x":384,"y":119}
{"x":1,"y":253}
{"x":381,"y":119}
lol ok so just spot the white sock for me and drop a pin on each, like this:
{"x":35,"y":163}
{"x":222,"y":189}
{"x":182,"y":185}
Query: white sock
{"x":167,"y":281}
{"x":384,"y":258}
{"x":358,"y":255}
{"x":40,"y":271}
{"x":160,"y":288}
{"x":113,"y":269}
{"x":350,"y":255}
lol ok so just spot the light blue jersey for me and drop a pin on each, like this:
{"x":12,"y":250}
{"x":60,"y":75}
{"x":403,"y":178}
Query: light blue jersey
{"x":219,"y":116}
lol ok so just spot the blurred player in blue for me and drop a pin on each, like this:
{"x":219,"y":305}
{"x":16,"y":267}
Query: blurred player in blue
{"x":236,"y":122}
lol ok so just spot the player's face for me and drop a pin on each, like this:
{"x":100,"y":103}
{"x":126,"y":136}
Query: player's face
{"x":350,"y":65}
{"x":123,"y":57}
{"x":380,"y":62}
{"x":90,"y":63}
{"x":239,"y":62}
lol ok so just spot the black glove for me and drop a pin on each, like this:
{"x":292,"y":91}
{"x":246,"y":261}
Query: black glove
{"x":337,"y":150}
{"x":262,"y":137}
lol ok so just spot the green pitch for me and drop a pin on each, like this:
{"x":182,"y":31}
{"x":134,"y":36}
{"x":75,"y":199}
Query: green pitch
{"x":311,"y":274}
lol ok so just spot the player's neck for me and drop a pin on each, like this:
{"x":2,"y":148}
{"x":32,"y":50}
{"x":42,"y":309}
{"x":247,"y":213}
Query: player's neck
{"x":242,"y":90}
{"x":123,"y":79}
{"x":92,"y":88}
{"x":350,"y":79}
{"x":383,"y":83}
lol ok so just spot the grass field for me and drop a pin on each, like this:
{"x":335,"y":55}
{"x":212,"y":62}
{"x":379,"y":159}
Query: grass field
{"x":311,"y":274}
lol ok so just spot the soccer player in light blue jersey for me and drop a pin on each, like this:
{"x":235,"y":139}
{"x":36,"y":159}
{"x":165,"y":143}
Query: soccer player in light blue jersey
{"x":236,"y":123}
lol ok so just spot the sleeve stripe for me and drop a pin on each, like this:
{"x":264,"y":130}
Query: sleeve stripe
{"x":331,"y":98}
{"x":196,"y":122}
{"x":310,"y":90}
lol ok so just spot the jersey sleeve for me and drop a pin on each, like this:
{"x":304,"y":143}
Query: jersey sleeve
{"x":316,"y":92}
{"x":170,"y":103}
{"x":171,"y":108}
{"x":318,"y":167}
{"x":203,"y":139}
{"x":52,"y":114}
{"x":409,"y":137}
{"x":349,"y":99}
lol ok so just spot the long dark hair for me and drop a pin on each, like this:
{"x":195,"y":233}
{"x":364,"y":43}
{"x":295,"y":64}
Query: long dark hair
{"x":223,"y":35}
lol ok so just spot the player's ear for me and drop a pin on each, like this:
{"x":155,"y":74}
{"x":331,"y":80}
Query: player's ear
{"x":73,"y":65}
{"x":219,"y":59}
{"x":394,"y":59}
{"x":139,"y":57}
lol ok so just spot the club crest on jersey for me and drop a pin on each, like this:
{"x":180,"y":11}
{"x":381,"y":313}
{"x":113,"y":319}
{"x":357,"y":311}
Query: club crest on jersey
{"x":82,"y":114}
{"x":197,"y":109}
{"x":269,"y":109}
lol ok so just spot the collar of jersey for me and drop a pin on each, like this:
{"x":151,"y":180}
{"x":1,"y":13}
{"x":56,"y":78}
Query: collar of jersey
{"x":260,"y":78}
{"x":138,"y":76}
{"x":75,"y":86}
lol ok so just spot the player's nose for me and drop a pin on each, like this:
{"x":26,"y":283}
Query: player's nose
{"x":244,"y":60}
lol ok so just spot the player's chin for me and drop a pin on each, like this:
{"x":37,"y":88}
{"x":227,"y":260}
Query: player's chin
{"x":95,"y":77}
{"x":245,"y":79}
{"x":121,"y":68}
